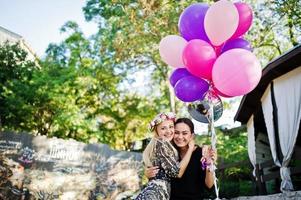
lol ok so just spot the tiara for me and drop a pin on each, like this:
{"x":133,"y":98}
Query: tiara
{"x":160,"y":118}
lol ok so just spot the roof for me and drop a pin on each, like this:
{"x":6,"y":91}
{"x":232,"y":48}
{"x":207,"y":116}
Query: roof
{"x":12,"y":34}
{"x":277,"y":67}
{"x":7,"y":35}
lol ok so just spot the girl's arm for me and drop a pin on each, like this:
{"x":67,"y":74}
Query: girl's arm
{"x":151,"y":172}
{"x":169,"y":161}
{"x":184,"y":162}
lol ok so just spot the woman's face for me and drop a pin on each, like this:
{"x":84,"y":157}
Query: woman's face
{"x":182,"y":135}
{"x":166,"y":129}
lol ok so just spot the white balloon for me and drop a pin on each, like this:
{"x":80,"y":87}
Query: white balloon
{"x":171,"y":48}
{"x":221,"y":21}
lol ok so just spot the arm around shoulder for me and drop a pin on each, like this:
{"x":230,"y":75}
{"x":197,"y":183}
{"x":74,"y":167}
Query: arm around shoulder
{"x":185,"y":161}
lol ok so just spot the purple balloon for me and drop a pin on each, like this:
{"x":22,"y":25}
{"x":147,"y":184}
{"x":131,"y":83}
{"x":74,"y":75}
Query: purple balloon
{"x":237,"y":43}
{"x":191,"y":22}
{"x":191,"y":88}
{"x":177,"y":74}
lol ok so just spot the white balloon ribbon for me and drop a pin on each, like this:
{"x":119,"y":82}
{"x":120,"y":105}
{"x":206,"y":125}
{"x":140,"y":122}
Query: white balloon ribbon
{"x":213,"y":145}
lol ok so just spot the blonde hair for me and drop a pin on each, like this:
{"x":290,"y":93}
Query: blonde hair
{"x":148,"y":153}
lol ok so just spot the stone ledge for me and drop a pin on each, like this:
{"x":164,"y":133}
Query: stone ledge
{"x":296,"y":195}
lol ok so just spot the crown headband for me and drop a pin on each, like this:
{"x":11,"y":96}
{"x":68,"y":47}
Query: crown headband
{"x":160,"y":118}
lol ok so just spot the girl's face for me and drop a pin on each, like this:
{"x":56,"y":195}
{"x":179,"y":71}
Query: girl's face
{"x":182,"y":135}
{"x":165,"y":130}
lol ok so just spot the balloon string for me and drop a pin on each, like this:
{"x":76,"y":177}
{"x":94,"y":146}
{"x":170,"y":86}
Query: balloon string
{"x":210,"y":119}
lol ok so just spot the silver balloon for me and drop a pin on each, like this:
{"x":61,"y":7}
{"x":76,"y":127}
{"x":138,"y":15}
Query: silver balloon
{"x":200,"y":110}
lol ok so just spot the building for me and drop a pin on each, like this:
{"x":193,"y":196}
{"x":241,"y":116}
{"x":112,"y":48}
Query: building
{"x":272,"y":113}
{"x":11,"y":37}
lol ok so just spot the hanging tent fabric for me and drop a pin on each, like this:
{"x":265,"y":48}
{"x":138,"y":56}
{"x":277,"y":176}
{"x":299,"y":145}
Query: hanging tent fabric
{"x":287,"y":91}
{"x":251,"y":143}
{"x":267,"y":109}
{"x":279,"y":95}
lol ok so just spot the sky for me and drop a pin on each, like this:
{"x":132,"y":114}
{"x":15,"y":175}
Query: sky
{"x":39,"y":21}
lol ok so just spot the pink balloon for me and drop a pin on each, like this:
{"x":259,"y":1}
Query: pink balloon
{"x":198,"y":57}
{"x":245,"y":19}
{"x":171,"y":49}
{"x":218,"y":50}
{"x":236,"y":72}
{"x":221,"y":21}
{"x":217,"y":92}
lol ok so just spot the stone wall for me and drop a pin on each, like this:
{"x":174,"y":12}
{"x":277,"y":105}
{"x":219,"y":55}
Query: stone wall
{"x":52,"y":168}
{"x":280,"y":196}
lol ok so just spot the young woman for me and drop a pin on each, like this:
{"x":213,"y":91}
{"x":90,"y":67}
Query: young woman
{"x":161,"y":153}
{"x":191,"y":185}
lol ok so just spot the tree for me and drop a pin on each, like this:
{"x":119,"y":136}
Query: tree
{"x":16,"y":73}
{"x":85,"y":87}
{"x":81,"y":84}
{"x":77,"y":93}
{"x":275,"y":27}
{"x":132,"y":31}
{"x":289,"y":12}
{"x":92,"y":81}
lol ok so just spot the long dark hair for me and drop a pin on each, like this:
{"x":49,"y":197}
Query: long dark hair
{"x":186,"y":121}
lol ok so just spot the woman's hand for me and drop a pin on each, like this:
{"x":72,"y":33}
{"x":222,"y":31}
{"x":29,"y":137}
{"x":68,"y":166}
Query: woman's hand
{"x":151,"y":172}
{"x":209,"y":155}
{"x":213,"y":155}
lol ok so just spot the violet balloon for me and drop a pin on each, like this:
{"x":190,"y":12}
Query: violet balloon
{"x":191,"y":88}
{"x":237,"y":43}
{"x":236,"y":72}
{"x":191,"y":22}
{"x":177,"y":74}
{"x":245,"y":18}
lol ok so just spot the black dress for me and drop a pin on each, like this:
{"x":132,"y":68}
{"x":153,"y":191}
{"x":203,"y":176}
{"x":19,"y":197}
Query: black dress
{"x":191,"y":185}
{"x":158,"y":188}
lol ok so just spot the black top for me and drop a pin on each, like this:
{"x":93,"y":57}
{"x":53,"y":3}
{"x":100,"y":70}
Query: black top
{"x":191,"y":185}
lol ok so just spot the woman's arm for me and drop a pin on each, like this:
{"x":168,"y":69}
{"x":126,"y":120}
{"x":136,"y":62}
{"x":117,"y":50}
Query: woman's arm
{"x":209,"y":180}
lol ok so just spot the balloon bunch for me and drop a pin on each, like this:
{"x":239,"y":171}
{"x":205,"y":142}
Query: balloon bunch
{"x":211,"y":54}
{"x":212,"y":59}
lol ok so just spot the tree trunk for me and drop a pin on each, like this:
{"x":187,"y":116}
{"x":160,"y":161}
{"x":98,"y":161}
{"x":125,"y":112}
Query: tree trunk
{"x":291,"y":33}
{"x":171,"y":97}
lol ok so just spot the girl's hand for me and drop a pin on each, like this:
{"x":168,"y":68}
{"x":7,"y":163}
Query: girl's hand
{"x":151,"y":172}
{"x":191,"y":144}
